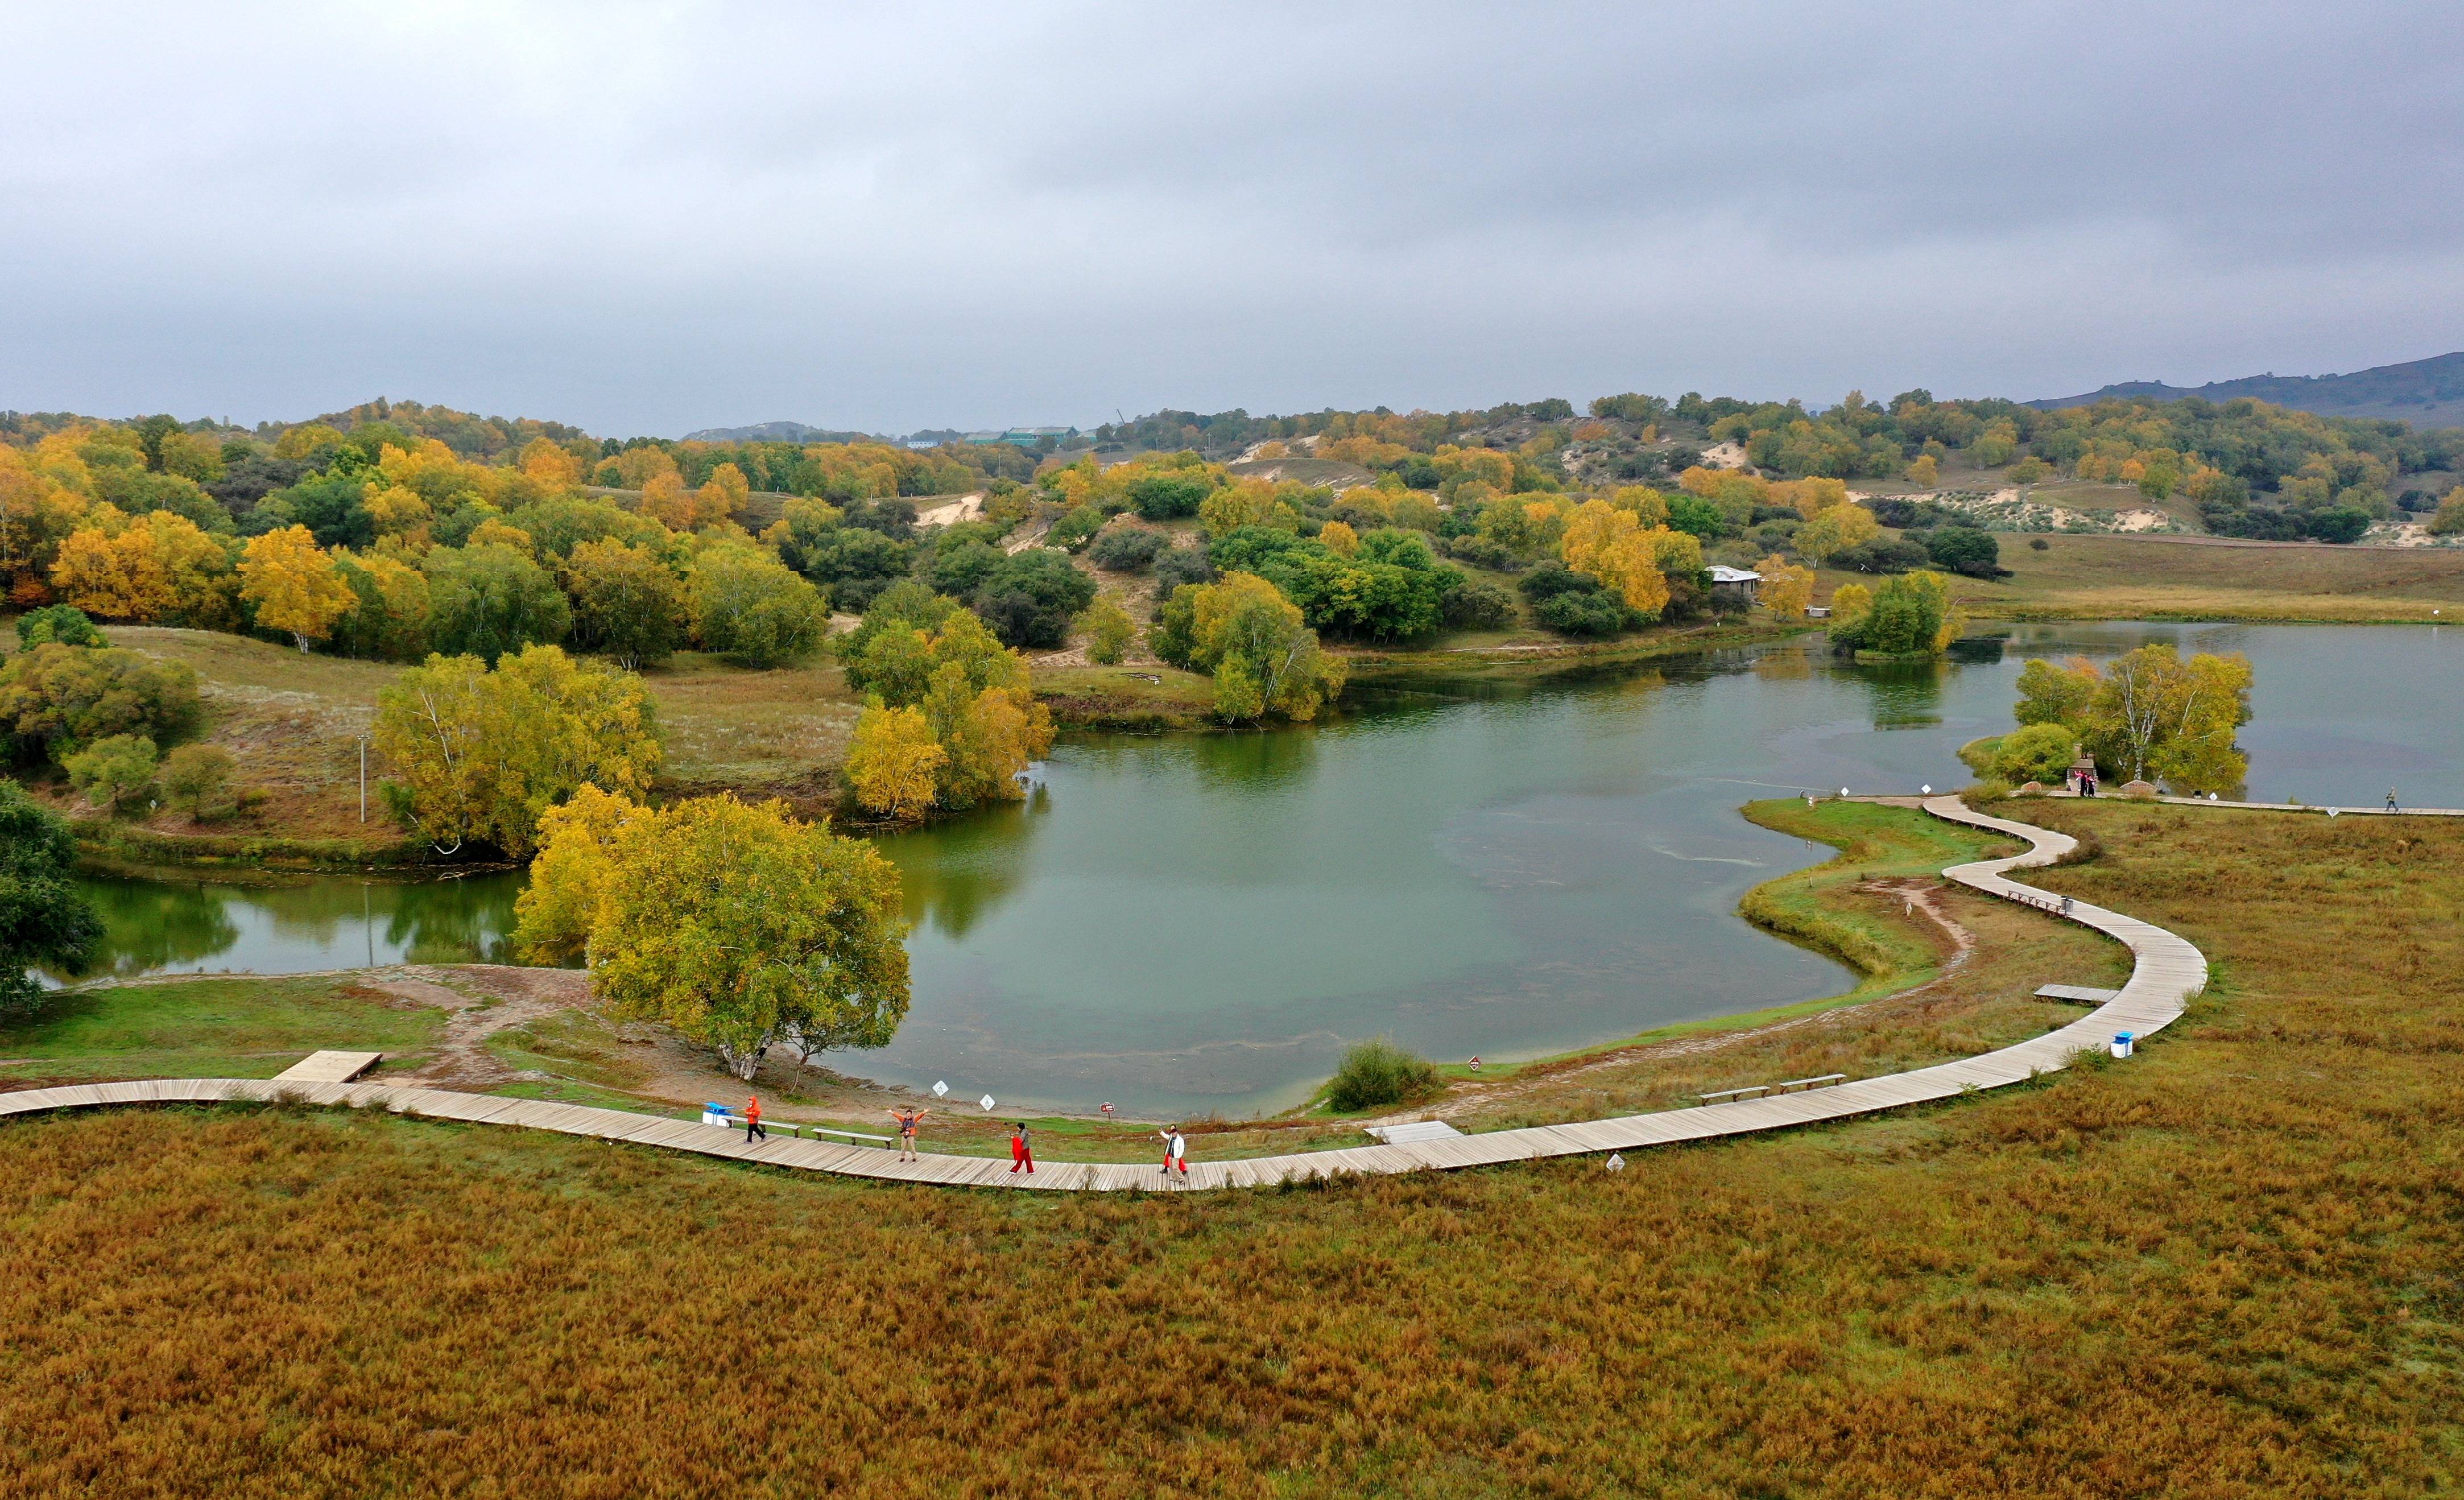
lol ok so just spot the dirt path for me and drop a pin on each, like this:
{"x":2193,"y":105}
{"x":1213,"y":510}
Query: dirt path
{"x":1921,"y":896}
{"x":480,"y":1000}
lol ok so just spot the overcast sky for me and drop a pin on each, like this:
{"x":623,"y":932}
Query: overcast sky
{"x":650,"y":218}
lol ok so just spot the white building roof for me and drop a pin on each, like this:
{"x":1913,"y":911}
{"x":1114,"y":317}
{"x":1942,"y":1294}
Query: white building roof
{"x":1733,"y":575}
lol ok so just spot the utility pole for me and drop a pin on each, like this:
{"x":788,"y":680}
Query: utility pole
{"x":364,"y":778}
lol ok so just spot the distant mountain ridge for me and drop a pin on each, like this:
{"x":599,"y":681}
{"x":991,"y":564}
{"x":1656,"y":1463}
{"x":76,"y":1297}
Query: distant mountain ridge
{"x":773,"y":433}
{"x":2424,"y":392}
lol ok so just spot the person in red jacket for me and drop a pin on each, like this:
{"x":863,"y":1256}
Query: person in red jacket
{"x":753,"y":1120}
{"x":1021,"y":1154}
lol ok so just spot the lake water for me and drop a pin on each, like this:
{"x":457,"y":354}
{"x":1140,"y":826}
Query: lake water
{"x":1204,"y":922}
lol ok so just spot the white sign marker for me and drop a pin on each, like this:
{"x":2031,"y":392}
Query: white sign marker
{"x":988,"y":1102}
{"x":940,"y":1091}
{"x":1615,"y":1163}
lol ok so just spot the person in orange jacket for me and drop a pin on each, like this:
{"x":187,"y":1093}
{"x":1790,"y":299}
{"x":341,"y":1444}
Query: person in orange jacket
{"x":753,"y":1120}
{"x":1021,"y":1153}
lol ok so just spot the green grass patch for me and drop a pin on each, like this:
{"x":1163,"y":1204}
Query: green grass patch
{"x":213,"y":1028}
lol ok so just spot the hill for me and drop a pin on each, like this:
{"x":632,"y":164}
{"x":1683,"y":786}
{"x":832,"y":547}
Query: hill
{"x":775,"y":432}
{"x":2426,"y":392}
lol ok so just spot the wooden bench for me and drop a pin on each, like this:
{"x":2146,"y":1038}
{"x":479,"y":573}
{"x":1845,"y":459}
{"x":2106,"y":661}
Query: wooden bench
{"x":1733,"y":1094}
{"x":792,"y":1128}
{"x":1809,"y":1083}
{"x":850,"y":1135}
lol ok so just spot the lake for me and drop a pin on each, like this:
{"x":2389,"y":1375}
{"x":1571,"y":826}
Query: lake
{"x":1505,"y":869}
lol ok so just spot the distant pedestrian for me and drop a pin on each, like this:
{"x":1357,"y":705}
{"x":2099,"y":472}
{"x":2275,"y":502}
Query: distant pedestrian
{"x":907,"y":1121}
{"x":1022,"y":1153}
{"x":2391,"y":806}
{"x":1175,"y":1152}
{"x":753,"y":1120}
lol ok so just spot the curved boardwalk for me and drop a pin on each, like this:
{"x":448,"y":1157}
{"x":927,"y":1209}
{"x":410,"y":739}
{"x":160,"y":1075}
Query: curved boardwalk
{"x":2168,"y":971}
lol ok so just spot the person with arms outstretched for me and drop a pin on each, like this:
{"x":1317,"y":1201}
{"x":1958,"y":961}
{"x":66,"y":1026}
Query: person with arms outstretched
{"x":908,"y":1120}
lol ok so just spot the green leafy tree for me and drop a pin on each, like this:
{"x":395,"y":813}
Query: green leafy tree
{"x":1108,"y":629}
{"x":44,"y":919}
{"x":197,"y":780}
{"x":1965,"y":549}
{"x":742,"y":927}
{"x":2148,"y":714}
{"x":56,"y":700}
{"x":627,"y":603}
{"x":489,"y":600}
{"x":113,"y":771}
{"x":1030,"y":598}
{"x":749,"y":607}
{"x":2040,"y":753}
{"x":478,"y":756}
{"x":1911,"y":615}
{"x":65,"y":624}
{"x":1252,"y":638}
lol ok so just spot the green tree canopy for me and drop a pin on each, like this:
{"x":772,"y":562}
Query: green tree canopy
{"x":43,"y":918}
{"x":489,"y":600}
{"x":479,"y":756}
{"x":752,"y":608}
{"x":55,"y":699}
{"x":742,"y":927}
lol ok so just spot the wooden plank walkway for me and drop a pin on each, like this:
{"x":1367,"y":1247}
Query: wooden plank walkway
{"x":329,"y":1068}
{"x":2167,"y":972}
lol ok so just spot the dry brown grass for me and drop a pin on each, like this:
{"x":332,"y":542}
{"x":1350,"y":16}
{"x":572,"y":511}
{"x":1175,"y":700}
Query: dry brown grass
{"x":2228,"y":1267}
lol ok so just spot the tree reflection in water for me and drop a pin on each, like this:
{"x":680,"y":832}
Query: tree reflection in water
{"x":275,"y":925}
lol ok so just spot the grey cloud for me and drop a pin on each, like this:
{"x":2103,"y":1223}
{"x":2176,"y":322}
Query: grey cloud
{"x":656,"y":217}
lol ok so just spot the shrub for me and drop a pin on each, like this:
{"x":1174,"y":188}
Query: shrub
{"x":2038,"y":545}
{"x":1167,"y":497}
{"x":1127,"y":549}
{"x":65,"y":624}
{"x":1597,"y":613}
{"x":1475,"y":604}
{"x":1179,"y":565}
{"x":1073,"y":529}
{"x":2338,"y":523}
{"x":56,"y":698}
{"x":1966,"y":549}
{"x":1485,"y":552}
{"x":1375,"y":1073}
{"x":1882,"y":555}
{"x":1028,"y":599}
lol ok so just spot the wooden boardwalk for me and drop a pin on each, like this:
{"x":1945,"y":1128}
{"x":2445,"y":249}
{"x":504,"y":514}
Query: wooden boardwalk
{"x":2168,"y":972}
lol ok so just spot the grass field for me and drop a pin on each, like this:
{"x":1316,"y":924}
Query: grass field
{"x":2173,"y":578}
{"x":293,"y":722}
{"x":208,"y":1027}
{"x":2227,"y":1267}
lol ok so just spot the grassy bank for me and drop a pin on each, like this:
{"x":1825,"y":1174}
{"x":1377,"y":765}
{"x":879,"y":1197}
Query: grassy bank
{"x":208,"y":1027}
{"x":2191,"y":578}
{"x":2227,"y":1267}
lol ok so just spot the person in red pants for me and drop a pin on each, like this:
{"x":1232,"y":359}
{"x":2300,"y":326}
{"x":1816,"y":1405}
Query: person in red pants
{"x":1021,"y":1153}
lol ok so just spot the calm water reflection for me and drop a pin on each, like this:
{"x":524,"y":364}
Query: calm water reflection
{"x":1508,"y":869}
